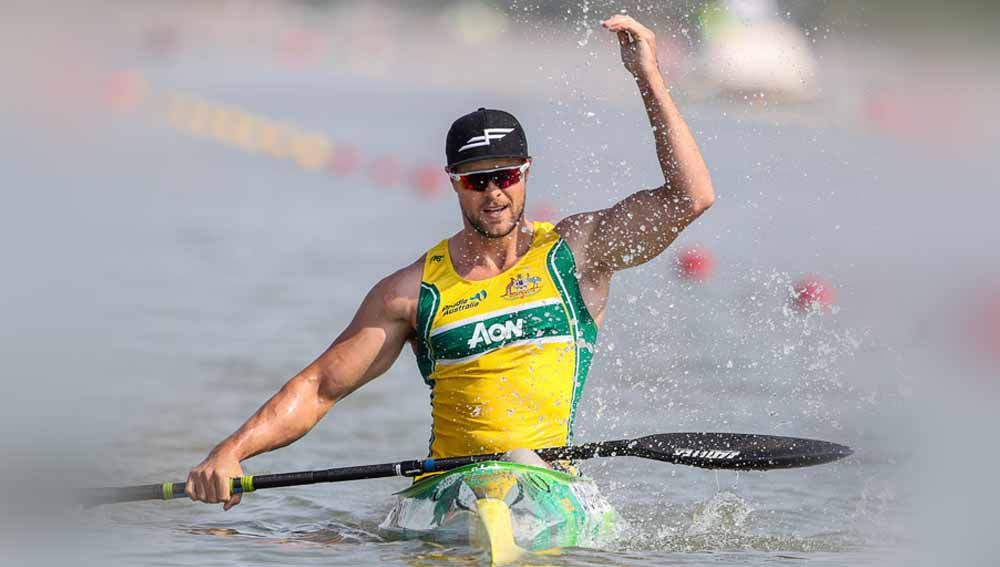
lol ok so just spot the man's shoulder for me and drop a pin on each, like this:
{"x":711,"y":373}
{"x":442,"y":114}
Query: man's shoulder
{"x":404,"y":283}
{"x":577,"y":226}
{"x":577,"y":230}
{"x":397,"y":294}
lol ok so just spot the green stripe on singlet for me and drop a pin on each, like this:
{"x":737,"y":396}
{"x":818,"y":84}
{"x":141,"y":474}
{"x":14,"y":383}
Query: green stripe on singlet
{"x":471,"y":338}
{"x":427,"y":305}
{"x":562,"y":268}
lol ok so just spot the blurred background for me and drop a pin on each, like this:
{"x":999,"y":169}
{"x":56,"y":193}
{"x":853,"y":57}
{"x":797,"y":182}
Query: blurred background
{"x":196,"y":195}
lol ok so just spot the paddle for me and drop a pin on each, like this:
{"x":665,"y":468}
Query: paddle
{"x":735,"y":451}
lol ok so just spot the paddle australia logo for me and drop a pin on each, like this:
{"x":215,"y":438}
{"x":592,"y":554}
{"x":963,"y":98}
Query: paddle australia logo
{"x":464,"y":303}
{"x":484,"y":140}
{"x":521,"y":286}
{"x":496,"y":333}
{"x":437,"y":258}
{"x":714,"y":454}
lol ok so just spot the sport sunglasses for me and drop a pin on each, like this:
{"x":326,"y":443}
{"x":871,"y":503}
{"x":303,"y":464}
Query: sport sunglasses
{"x":502,"y":177}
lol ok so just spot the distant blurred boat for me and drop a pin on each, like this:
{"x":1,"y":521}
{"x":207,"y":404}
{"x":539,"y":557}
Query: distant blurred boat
{"x":747,"y":50}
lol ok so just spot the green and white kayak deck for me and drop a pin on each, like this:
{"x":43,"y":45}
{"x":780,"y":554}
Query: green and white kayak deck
{"x":505,"y":508}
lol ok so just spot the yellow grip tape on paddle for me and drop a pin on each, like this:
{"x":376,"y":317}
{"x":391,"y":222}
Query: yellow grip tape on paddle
{"x":246,"y":484}
{"x":168,"y":490}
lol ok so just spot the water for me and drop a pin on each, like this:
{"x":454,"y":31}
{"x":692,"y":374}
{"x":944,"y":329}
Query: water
{"x":160,"y":287}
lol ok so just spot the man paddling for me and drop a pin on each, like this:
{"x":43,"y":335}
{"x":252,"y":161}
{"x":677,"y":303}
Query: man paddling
{"x":503,"y":315}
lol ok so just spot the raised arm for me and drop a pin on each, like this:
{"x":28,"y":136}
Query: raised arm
{"x":366,"y":349}
{"x":641,"y":226}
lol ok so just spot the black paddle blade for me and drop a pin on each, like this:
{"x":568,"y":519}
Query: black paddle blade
{"x":736,"y":451}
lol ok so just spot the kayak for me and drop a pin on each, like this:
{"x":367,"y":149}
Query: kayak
{"x":506,"y":509}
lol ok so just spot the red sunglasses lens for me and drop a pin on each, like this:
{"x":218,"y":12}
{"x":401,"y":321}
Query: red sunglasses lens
{"x":505,"y":179}
{"x":480,"y":181}
{"x":476,"y":181}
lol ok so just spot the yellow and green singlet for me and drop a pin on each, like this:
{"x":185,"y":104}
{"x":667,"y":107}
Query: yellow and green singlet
{"x":506,"y":358}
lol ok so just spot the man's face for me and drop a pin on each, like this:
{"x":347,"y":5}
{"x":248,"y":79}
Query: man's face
{"x":495,"y":212}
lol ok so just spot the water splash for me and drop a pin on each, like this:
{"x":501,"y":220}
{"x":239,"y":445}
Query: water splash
{"x":726,"y":513}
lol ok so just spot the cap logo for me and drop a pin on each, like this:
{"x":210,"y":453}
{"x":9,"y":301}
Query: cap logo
{"x":484,"y":140}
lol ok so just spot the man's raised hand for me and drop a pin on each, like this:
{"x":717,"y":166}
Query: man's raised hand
{"x":638,"y":44}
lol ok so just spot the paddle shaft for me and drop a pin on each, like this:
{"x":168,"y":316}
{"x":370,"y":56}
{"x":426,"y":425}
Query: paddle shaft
{"x":734,"y":451}
{"x":411,"y":468}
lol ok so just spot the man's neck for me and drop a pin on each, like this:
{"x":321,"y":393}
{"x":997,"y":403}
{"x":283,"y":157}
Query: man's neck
{"x":474,"y":252}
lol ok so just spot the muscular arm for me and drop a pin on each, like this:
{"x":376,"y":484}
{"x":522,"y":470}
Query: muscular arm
{"x":367,"y":348}
{"x":641,"y":226}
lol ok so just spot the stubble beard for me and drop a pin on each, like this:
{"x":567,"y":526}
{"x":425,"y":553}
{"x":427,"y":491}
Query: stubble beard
{"x":484,"y":230}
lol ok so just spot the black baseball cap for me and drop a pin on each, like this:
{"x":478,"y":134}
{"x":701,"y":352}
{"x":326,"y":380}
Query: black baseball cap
{"x":485,"y":133}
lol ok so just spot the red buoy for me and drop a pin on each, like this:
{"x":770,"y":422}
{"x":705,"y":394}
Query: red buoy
{"x":344,"y":159}
{"x":812,"y":293}
{"x":126,"y":90}
{"x":386,"y":171}
{"x":695,"y":263}
{"x":982,"y":322}
{"x":429,"y":180}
